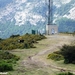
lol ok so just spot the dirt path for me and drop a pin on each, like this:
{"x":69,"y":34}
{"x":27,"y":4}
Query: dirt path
{"x":35,"y":61}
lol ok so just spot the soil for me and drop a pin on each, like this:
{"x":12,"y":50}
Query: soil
{"x":37,"y":61}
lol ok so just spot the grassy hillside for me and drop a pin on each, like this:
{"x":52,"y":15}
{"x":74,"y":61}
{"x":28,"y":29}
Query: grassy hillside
{"x":20,"y":42}
{"x":33,"y":61}
{"x":7,"y":60}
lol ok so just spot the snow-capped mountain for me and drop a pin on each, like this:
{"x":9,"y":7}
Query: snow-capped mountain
{"x":21,"y":16}
{"x":22,"y":11}
{"x":65,"y":8}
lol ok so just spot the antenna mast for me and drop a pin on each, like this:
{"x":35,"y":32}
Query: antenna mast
{"x":50,"y":15}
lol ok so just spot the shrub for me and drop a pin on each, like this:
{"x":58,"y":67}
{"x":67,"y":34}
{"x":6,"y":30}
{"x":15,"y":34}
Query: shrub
{"x":6,"y":61}
{"x":74,"y":33}
{"x":55,"y":56}
{"x":1,"y":39}
{"x":69,"y":53}
{"x":69,"y":73}
{"x":5,"y":67}
{"x":6,"y":56}
{"x":12,"y":36}
{"x":21,"y":42}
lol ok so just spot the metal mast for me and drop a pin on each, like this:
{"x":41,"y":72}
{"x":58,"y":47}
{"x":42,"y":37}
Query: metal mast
{"x":50,"y":9}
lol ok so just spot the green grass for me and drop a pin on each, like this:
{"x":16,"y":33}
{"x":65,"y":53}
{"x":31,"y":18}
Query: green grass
{"x":24,"y":53}
{"x":20,"y":42}
{"x":56,"y":57}
{"x":42,"y":45}
{"x":7,"y":60}
{"x":65,"y":73}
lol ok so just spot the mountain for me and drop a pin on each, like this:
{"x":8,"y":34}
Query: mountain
{"x":22,"y":16}
{"x":65,"y":17}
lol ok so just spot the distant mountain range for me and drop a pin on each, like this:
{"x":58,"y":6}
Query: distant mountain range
{"x":22,"y":16}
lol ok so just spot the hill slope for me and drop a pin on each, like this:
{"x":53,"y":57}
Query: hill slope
{"x":35,"y":62}
{"x":21,"y":16}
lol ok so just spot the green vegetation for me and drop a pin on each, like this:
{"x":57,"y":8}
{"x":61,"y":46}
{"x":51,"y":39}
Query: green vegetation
{"x":7,"y":56}
{"x":74,"y":33}
{"x":35,"y":66}
{"x":20,"y":42}
{"x":66,"y":25}
{"x":1,"y":39}
{"x":69,"y":73}
{"x":5,"y":66}
{"x":12,"y":36}
{"x":69,"y":53}
{"x":7,"y":60}
{"x":55,"y":56}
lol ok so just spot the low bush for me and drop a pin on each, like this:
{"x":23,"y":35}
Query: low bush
{"x":69,"y":73}
{"x":7,"y":60}
{"x":5,"y":67}
{"x":69,"y":54}
{"x":20,"y":42}
{"x":1,"y":39}
{"x":74,"y":33}
{"x":12,"y":36}
{"x":55,"y":57}
{"x":6,"y":56}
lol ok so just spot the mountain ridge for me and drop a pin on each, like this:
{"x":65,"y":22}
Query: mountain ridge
{"x":21,"y":16}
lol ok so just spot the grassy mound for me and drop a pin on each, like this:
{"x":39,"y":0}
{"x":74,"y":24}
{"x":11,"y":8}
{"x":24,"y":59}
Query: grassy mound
{"x":4,"y":66}
{"x":7,"y":60}
{"x":7,"y":56}
{"x":69,"y":53}
{"x":55,"y":56}
{"x":20,"y":42}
